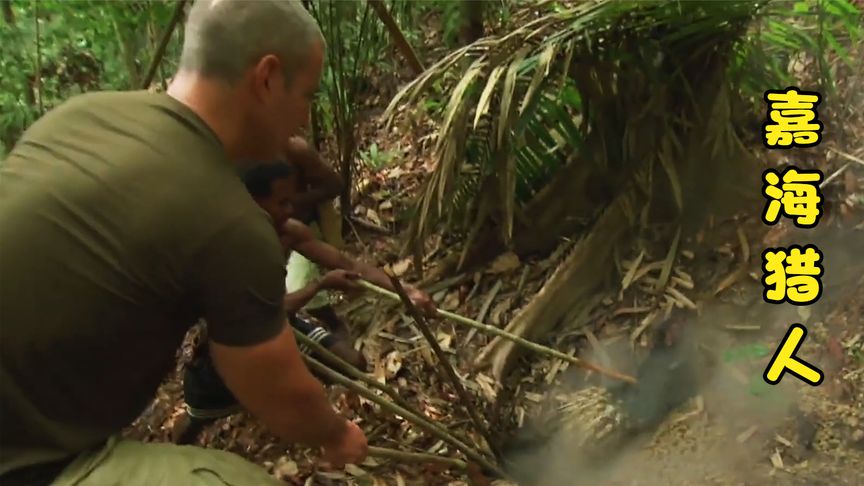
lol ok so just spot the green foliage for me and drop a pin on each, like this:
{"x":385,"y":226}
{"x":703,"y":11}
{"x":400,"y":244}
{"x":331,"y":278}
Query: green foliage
{"x":791,"y":41}
{"x":356,"y":47}
{"x":81,"y":46}
{"x":375,"y":158}
{"x":614,"y":87}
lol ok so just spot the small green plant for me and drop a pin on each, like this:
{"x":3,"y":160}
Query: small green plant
{"x":377,"y":159}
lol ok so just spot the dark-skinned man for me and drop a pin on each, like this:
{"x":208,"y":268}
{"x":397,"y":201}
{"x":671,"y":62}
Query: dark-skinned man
{"x":274,"y":188}
{"x":314,"y":185}
{"x":123,"y":223}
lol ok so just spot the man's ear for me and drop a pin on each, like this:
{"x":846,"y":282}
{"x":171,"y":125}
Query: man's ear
{"x":265,"y":73}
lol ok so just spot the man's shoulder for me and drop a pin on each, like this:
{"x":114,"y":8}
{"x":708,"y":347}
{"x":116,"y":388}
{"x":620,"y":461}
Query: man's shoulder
{"x":115,"y":99}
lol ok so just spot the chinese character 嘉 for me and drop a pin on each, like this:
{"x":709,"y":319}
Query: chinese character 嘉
{"x":793,"y":114}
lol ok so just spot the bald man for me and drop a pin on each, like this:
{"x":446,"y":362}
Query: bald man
{"x":124,"y":222}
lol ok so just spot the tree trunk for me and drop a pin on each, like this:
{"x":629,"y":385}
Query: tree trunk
{"x":8,"y":14}
{"x":569,"y":290}
{"x":472,"y":21}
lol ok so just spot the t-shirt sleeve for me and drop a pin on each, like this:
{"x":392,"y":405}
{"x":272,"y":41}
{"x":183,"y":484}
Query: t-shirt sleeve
{"x":239,"y":281}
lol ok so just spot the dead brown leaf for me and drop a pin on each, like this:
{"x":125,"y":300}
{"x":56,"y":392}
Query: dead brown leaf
{"x":504,"y":263}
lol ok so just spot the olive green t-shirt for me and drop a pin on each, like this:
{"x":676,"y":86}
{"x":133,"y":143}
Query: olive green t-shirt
{"x":122,"y":222}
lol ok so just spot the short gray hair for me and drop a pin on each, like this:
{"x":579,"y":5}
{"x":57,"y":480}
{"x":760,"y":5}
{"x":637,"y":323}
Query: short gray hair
{"x":223,"y":38}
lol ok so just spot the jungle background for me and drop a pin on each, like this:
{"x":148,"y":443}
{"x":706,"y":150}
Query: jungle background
{"x":583,"y":174}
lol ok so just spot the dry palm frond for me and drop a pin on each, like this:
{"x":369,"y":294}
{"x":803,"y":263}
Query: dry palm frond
{"x":602,"y":85}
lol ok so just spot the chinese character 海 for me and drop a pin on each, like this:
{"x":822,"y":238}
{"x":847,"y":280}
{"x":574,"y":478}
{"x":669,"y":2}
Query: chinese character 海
{"x":793,"y":114}
{"x":792,"y":276}
{"x":798,"y":196}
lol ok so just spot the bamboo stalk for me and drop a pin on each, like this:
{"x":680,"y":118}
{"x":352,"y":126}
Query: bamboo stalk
{"x":403,"y":456}
{"x":538,"y":348}
{"x":353,"y":372}
{"x":408,"y":415}
{"x":444,"y":366}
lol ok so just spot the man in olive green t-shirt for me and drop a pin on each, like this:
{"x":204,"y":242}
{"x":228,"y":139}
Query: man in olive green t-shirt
{"x":123,"y":221}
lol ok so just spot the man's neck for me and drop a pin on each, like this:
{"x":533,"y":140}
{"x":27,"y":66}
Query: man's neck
{"x":212,"y":101}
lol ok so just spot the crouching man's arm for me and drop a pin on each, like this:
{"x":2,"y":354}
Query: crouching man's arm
{"x":239,"y":283}
{"x":301,"y":238}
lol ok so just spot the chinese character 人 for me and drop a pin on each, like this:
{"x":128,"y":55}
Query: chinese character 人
{"x":793,"y":114}
{"x":797,"y":197}
{"x":792,"y":276}
{"x":784,"y":360}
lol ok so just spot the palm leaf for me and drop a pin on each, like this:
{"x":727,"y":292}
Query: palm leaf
{"x":599,"y":85}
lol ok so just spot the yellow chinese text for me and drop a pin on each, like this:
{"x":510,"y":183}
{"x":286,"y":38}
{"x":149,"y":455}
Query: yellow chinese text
{"x":792,"y":275}
{"x":784,"y":360}
{"x":797,"y":196}
{"x":793,"y":119}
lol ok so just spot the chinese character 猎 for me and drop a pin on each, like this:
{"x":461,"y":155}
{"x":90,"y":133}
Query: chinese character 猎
{"x":798,"y":196}
{"x":792,"y":276}
{"x":793,"y":114}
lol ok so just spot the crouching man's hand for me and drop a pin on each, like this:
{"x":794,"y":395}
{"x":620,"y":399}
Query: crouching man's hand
{"x":349,"y":448}
{"x":341,"y":280}
{"x":421,"y":300}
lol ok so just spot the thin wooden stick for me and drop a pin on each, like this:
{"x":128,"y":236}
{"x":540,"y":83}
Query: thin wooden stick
{"x":406,"y":414}
{"x":396,"y":36}
{"x":163,"y":44}
{"x":857,"y":160}
{"x":444,"y":365}
{"x":538,"y":348}
{"x":353,"y":372}
{"x":415,"y":457}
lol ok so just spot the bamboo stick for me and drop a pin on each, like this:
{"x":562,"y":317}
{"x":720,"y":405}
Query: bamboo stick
{"x":408,"y":415}
{"x":415,"y":457}
{"x":353,"y":372}
{"x":444,"y":366}
{"x":538,"y":348}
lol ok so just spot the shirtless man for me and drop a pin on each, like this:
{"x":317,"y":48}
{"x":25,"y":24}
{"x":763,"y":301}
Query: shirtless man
{"x":314,"y":184}
{"x":273,"y":186}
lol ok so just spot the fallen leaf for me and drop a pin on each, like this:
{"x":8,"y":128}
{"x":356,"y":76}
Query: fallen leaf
{"x":500,"y":308}
{"x":444,"y":340}
{"x":776,"y":460}
{"x":379,"y":372}
{"x":487,"y":386}
{"x":505,"y":263}
{"x":354,"y":470}
{"x":628,"y":278}
{"x":393,"y":363}
{"x":399,"y":268}
{"x":373,"y":216}
{"x":779,"y":438}
{"x":285,"y":468}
